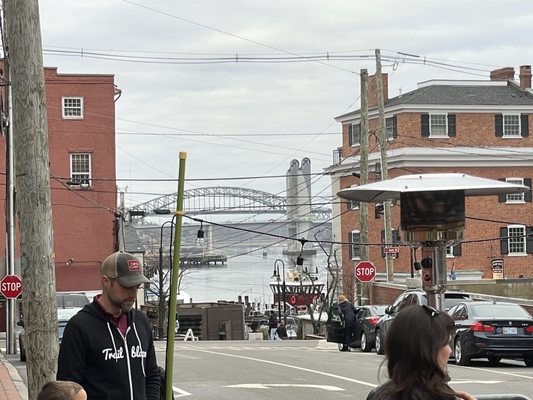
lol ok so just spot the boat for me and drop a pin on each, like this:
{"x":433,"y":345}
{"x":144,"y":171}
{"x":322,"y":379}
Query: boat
{"x":298,"y":287}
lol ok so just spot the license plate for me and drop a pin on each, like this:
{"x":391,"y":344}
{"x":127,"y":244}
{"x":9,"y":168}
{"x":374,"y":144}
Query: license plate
{"x":509,"y":330}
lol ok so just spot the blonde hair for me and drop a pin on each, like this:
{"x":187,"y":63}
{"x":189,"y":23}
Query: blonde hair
{"x":342,"y":298}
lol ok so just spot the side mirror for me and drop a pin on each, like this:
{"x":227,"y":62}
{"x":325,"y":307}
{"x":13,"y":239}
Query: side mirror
{"x":389,"y":309}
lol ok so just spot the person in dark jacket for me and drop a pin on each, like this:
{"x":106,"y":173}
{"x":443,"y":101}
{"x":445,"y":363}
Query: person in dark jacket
{"x":348,"y":313}
{"x":417,"y":350}
{"x":272,"y":325}
{"x":108,"y":347}
{"x":281,"y":331}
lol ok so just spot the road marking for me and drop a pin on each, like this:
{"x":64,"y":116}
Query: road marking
{"x":180,"y":392}
{"x":474,"y":381}
{"x":270,"y":385}
{"x":343,"y":378}
{"x":497,"y":372}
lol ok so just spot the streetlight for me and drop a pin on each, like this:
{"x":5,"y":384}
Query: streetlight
{"x":277,"y":275}
{"x":160,"y":333}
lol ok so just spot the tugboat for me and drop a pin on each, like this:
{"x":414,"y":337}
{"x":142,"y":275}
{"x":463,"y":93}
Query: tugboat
{"x":297,"y":286}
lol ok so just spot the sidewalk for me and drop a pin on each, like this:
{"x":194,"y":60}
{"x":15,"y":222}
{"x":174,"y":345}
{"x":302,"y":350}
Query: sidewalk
{"x":12,"y":386}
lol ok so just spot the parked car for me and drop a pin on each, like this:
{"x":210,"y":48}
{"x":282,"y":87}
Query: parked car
{"x":70,"y":300}
{"x":492,"y":330}
{"x":63,"y":316}
{"x":408,"y":298}
{"x":367,"y":316}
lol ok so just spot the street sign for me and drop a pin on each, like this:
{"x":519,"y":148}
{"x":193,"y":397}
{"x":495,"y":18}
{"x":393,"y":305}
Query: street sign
{"x":365,"y":271}
{"x":11,"y":286}
{"x":392,"y":250}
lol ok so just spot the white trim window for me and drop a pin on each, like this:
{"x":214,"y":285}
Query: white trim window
{"x":80,"y":169}
{"x":72,"y":107}
{"x":515,"y":197}
{"x":516,"y":240}
{"x":438,"y":125}
{"x":511,"y":125}
{"x":449,"y":252}
{"x":355,"y":135}
{"x":355,"y":245}
{"x":353,"y":204}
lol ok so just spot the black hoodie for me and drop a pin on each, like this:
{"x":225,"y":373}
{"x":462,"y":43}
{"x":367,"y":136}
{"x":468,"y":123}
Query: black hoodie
{"x":109,"y":366}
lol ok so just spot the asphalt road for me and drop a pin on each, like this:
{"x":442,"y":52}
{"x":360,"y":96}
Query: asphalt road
{"x":305,"y":370}
{"x":299,"y":370}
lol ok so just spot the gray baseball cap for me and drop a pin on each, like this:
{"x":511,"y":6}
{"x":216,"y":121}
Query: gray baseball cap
{"x":125,"y":268}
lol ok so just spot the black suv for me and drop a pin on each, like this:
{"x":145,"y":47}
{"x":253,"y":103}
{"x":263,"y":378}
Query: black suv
{"x":408,"y":298}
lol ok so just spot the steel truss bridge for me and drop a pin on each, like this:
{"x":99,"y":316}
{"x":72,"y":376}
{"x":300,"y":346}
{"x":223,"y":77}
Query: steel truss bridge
{"x":222,"y":200}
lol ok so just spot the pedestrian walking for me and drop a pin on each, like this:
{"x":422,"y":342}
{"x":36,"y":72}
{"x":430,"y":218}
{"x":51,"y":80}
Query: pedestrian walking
{"x":417,"y":350}
{"x":272,"y":324}
{"x":108,"y":346}
{"x":348,"y":314}
{"x":281,"y":331}
{"x":62,"y":390}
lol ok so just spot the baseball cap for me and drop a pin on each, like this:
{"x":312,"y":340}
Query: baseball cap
{"x":125,"y":268}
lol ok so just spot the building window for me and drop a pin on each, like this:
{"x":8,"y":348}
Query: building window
{"x":437,"y":125}
{"x":354,"y":237}
{"x":515,"y":197}
{"x":511,"y":125}
{"x":72,"y":107}
{"x":516,"y":240}
{"x":353,"y":204}
{"x":80,"y":169}
{"x":355,"y":134}
{"x":390,"y":125}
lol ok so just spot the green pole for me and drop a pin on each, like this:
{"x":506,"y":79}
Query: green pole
{"x":175,"y":274}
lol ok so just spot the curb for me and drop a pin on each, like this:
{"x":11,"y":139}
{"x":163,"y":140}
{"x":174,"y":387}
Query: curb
{"x":15,"y":378}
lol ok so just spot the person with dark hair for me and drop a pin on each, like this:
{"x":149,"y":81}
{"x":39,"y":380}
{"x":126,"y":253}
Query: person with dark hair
{"x":281,"y":331}
{"x":348,"y":313}
{"x":272,"y":325}
{"x":108,"y":346}
{"x":62,"y":390}
{"x":417,"y":350}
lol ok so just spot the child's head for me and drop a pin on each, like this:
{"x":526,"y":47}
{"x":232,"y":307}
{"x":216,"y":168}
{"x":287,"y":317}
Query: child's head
{"x":62,"y":390}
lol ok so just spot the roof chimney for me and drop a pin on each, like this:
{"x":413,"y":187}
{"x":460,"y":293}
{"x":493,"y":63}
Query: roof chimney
{"x":525,"y":77}
{"x":502,"y":74}
{"x":373,"y":91}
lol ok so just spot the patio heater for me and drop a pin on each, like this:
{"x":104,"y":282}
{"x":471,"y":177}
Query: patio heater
{"x":432,"y":214}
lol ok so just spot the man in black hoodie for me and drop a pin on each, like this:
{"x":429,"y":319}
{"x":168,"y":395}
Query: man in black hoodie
{"x":108,"y":346}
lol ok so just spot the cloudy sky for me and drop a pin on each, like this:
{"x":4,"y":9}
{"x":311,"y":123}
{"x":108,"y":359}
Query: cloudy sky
{"x":245,"y":86}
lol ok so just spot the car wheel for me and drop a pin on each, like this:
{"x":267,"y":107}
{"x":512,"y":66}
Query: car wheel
{"x":494,"y":360}
{"x":460,"y":357}
{"x":341,"y":346}
{"x":528,"y":361}
{"x":379,"y":342}
{"x":365,"y":346}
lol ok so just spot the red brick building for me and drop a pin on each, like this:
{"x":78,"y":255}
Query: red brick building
{"x":81,"y":132}
{"x":481,"y":128}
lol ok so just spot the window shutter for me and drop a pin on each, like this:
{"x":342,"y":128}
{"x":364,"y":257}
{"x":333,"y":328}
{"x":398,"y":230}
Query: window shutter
{"x":498,"y":125}
{"x":451,"y":125}
{"x":382,"y":243}
{"x":350,"y":134}
{"x":457,"y":250}
{"x":394,"y":127}
{"x":350,"y":245}
{"x":424,"y":123}
{"x":527,"y":195}
{"x":504,"y":248}
{"x":524,"y":125}
{"x":529,"y":239}
{"x":502,"y":198}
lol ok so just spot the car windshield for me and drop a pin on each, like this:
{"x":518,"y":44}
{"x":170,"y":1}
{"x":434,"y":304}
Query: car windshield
{"x":378,"y":310}
{"x":505,"y":311}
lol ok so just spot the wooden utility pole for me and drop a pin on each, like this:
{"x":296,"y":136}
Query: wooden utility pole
{"x":362,"y":288}
{"x":382,"y":138}
{"x":31,"y":166}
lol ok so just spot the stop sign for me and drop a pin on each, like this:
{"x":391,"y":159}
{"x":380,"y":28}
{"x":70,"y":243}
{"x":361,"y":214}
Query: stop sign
{"x":365,"y":271}
{"x":11,"y":286}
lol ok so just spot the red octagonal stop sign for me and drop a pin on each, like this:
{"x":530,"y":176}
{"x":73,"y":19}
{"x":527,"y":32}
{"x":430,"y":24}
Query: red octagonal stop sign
{"x":11,"y":286}
{"x":365,"y":271}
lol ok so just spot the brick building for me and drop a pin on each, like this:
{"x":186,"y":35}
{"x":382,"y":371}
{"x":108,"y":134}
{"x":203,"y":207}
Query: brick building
{"x":481,"y":128}
{"x":81,"y":134}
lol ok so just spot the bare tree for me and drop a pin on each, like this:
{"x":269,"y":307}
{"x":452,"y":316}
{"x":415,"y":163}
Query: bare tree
{"x":30,"y":139}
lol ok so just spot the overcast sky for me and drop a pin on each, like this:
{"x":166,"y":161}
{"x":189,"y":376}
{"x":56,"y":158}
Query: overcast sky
{"x":171,"y":103}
